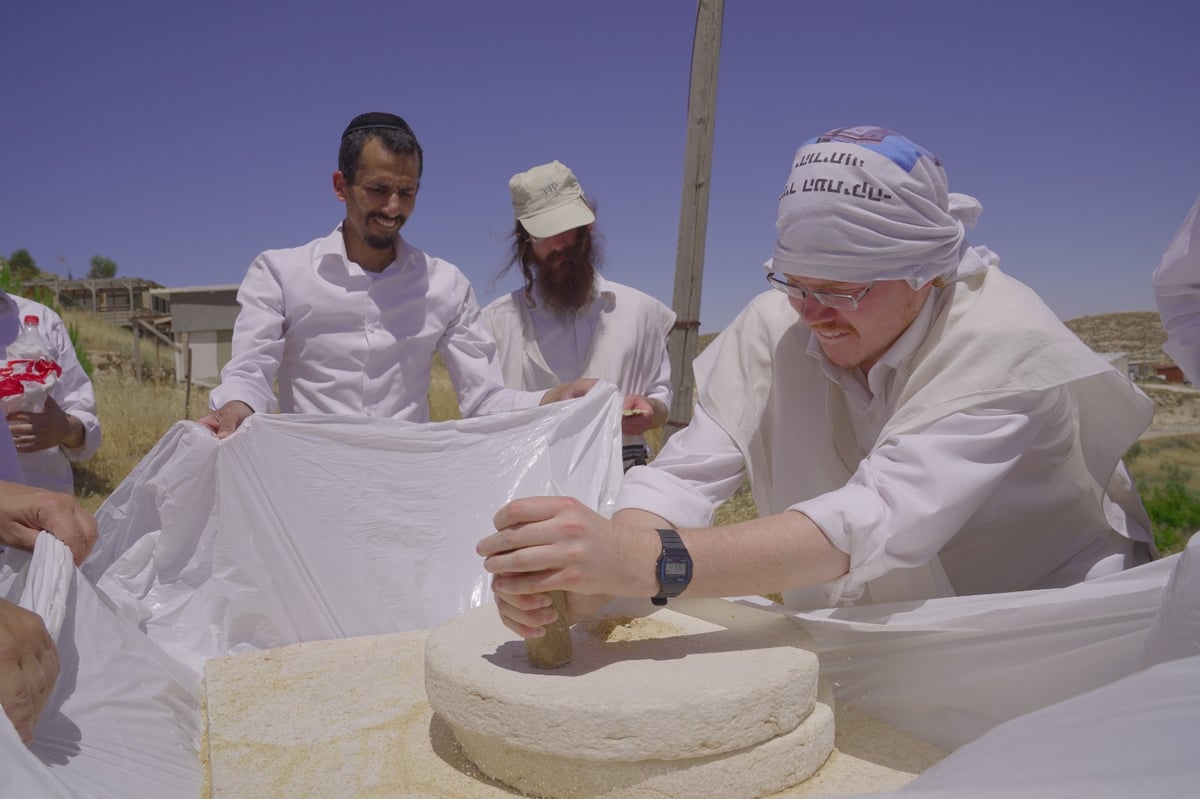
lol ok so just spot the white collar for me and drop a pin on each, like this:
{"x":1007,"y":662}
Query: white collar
{"x":902,"y":348}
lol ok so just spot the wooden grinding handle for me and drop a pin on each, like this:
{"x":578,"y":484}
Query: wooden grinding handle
{"x":554,"y":648}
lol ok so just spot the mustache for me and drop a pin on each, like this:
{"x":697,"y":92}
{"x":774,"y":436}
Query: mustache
{"x":828,"y":328}
{"x":401,"y":218}
{"x":571,"y":255}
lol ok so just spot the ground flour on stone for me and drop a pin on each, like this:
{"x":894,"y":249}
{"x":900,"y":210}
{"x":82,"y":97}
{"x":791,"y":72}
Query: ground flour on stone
{"x":349,"y":718}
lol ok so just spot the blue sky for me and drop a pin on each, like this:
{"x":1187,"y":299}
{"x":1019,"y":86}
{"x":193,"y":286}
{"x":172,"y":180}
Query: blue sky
{"x":182,"y":139}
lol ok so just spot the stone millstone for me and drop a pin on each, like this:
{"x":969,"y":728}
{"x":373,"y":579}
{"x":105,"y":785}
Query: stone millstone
{"x":696,"y":679}
{"x":755,"y":771}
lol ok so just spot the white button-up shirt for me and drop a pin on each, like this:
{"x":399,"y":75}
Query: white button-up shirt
{"x":620,"y":336}
{"x":51,"y":468}
{"x":341,"y":340}
{"x":565,"y":342}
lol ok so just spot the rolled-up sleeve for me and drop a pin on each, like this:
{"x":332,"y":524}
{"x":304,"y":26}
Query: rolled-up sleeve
{"x":699,"y":468}
{"x":915,"y":491}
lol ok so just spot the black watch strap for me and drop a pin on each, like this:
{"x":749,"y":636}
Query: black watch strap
{"x":674,"y":568}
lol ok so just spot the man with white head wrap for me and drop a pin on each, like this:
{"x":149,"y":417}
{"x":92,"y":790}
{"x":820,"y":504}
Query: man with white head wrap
{"x":914,"y":423}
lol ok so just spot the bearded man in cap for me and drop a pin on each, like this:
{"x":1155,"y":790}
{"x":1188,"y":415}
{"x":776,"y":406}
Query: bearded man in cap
{"x":914,"y":423}
{"x":348,"y":323}
{"x":568,"y":322}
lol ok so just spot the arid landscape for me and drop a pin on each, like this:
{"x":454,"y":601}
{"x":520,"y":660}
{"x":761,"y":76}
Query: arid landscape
{"x":1140,"y":335}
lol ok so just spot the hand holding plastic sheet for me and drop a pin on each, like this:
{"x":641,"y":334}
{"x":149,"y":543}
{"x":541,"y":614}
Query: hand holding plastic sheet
{"x":307,"y":527}
{"x":122,"y":720}
{"x":25,"y":512}
{"x":28,"y":667}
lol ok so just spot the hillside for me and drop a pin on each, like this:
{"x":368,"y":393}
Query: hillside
{"x":1139,"y":333}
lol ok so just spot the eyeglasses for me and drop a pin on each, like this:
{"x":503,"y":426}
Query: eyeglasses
{"x":843,"y":302}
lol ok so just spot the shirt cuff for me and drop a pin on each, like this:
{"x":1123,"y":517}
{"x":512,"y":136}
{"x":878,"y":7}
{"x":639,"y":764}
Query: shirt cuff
{"x":663,"y":494}
{"x":846,"y":516}
{"x":91,"y":437}
{"x":228,"y":391}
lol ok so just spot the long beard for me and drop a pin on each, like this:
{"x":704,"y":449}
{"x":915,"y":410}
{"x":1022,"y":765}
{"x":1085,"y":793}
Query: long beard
{"x":565,"y":279}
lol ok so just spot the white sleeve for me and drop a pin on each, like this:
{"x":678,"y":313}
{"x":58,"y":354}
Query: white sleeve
{"x":699,"y":468}
{"x":1176,"y":284}
{"x":74,"y":392}
{"x":258,"y":343}
{"x":913,"y":493}
{"x":660,"y":387}
{"x":469,"y":352}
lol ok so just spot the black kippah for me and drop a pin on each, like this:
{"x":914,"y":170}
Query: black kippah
{"x":375,"y":120}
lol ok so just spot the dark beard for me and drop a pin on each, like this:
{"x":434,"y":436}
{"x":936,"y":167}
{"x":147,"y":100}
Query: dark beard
{"x":383,"y":242}
{"x":564,"y":280}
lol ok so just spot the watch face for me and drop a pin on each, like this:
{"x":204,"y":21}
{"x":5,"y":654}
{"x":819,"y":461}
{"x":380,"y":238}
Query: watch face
{"x":675,"y":571}
{"x":674,"y":567}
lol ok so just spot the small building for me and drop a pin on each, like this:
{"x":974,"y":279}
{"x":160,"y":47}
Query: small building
{"x":1120,"y":361}
{"x":1170,"y":373}
{"x":116,"y":299}
{"x":1143,"y":370}
{"x":202,"y":320}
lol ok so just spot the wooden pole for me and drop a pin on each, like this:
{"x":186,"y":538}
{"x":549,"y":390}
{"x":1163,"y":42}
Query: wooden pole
{"x":693,"y":214}
{"x":187,"y":376}
{"x":137,"y":352}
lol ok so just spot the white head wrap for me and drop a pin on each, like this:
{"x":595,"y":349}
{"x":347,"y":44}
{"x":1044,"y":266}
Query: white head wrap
{"x":864,"y":204}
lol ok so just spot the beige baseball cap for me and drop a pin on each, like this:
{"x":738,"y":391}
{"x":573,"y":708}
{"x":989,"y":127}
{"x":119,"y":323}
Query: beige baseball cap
{"x":547,"y":200}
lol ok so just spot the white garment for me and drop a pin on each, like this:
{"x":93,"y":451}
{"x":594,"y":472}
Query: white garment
{"x":51,"y":468}
{"x":864,"y":204}
{"x":908,"y":469}
{"x":1177,"y":292}
{"x":10,"y":467}
{"x":619,"y":336}
{"x":342,"y":340}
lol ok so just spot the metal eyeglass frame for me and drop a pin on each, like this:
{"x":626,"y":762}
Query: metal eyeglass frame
{"x":843,"y":302}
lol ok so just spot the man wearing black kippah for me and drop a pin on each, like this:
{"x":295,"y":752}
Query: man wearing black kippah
{"x":348,"y":323}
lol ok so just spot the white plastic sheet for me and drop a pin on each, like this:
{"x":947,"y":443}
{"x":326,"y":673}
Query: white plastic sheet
{"x":950,"y":669}
{"x":299,"y":528}
{"x":294,"y":529}
{"x":302,"y":528}
{"x":1131,"y":738}
{"x":122,"y":720}
{"x":1175,"y":632}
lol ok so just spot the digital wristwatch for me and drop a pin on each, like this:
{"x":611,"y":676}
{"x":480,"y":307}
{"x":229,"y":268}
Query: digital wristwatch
{"x":674,"y":567}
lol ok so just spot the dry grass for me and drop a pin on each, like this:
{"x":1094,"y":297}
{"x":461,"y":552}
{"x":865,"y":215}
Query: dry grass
{"x":443,"y":402}
{"x":133,"y":416}
{"x":1152,"y":460}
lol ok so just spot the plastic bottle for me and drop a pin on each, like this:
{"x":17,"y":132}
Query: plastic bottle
{"x":29,"y":343}
{"x":31,"y":361}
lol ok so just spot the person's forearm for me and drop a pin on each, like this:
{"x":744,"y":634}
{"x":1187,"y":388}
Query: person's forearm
{"x":761,"y":556}
{"x":76,"y":434}
{"x":636,"y":517}
{"x":661,"y":411}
